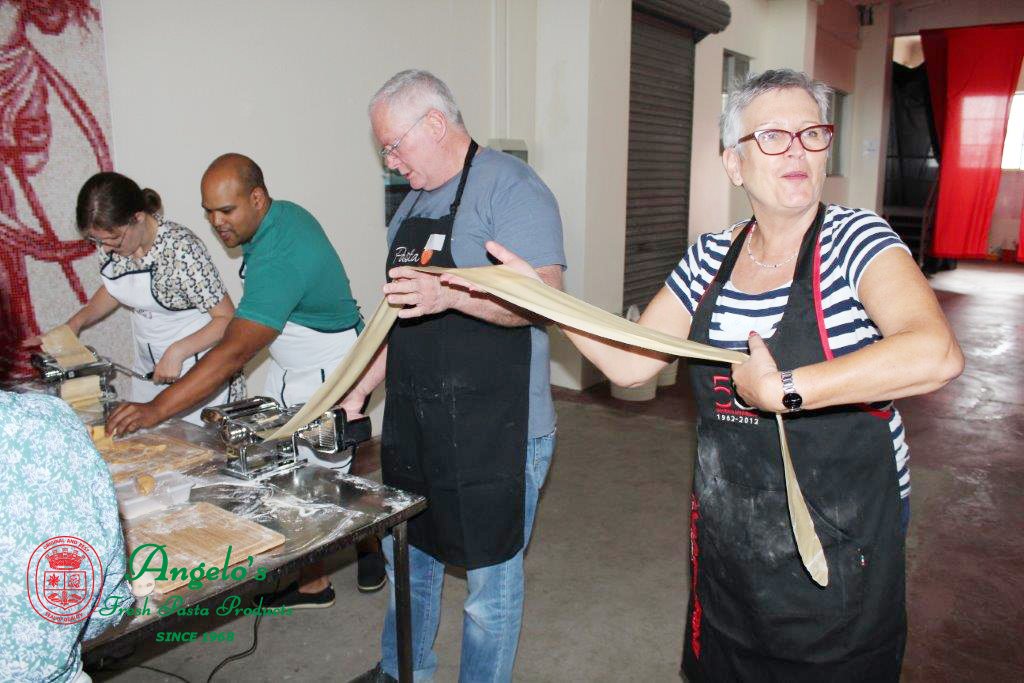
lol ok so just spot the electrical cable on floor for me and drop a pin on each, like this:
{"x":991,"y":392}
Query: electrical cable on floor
{"x":241,"y":655}
{"x":224,"y":662}
{"x":255,"y":639}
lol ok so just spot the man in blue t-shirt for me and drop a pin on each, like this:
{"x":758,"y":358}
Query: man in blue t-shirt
{"x":469,"y":420}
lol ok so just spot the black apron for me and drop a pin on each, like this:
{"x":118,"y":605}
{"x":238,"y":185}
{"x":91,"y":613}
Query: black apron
{"x":755,"y":614}
{"x":455,"y":422}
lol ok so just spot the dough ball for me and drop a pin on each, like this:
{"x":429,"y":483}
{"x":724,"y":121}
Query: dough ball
{"x":145,"y":483}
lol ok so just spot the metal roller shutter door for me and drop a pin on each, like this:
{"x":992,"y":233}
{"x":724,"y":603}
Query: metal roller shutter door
{"x":658,"y":180}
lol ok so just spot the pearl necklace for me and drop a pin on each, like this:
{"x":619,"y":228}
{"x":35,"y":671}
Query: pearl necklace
{"x":766,"y":265}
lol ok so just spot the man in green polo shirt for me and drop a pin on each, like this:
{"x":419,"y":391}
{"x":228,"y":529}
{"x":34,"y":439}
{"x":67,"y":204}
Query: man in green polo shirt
{"x":292,"y":274}
{"x":296,"y":303}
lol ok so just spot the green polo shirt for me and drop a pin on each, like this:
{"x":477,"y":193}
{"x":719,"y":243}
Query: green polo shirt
{"x":293,"y":274}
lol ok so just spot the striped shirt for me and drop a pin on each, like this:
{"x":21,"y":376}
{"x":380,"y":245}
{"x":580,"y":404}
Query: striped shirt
{"x":850,"y":239}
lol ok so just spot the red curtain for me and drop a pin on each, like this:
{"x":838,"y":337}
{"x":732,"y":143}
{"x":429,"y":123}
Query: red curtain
{"x":972,"y":73}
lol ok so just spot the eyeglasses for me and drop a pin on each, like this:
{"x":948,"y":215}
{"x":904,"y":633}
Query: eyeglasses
{"x":100,"y":243}
{"x":774,"y":141}
{"x":388,"y":150}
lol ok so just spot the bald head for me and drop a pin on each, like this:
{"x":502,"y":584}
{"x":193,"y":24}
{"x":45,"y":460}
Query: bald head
{"x":235,"y":197}
{"x":246,"y":171}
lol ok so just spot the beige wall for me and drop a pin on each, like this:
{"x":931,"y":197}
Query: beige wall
{"x":836,"y":44}
{"x":788,"y":36}
{"x":188,"y":83}
{"x":869,"y":106}
{"x":514,"y":59}
{"x":582,"y":119}
{"x":836,"y":48}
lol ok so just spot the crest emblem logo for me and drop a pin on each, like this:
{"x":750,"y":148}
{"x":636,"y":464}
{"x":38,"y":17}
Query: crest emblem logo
{"x":61,"y":579}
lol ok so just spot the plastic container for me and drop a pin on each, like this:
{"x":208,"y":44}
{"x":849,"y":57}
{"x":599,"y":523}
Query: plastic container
{"x":646,"y":391}
{"x":171,"y":489}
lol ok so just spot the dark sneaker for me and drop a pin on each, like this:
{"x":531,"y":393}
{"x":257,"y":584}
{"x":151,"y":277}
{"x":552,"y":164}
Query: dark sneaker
{"x":289,"y":596}
{"x":375,"y":675}
{"x":372,"y":576}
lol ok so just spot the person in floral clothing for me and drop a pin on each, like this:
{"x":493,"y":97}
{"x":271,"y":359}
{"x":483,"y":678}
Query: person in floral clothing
{"x":53,"y":483}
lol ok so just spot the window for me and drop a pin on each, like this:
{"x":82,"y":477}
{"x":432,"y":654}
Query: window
{"x":1013,"y":148}
{"x":836,"y":115}
{"x":735,"y":69}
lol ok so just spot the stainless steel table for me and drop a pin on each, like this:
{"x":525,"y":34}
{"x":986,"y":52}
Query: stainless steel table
{"x":318,"y":511}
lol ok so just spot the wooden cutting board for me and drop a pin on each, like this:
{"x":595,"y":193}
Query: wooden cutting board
{"x":200,"y":532}
{"x":150,"y":454}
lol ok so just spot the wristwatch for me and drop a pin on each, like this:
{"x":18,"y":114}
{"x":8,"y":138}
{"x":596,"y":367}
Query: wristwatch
{"x":790,"y":398}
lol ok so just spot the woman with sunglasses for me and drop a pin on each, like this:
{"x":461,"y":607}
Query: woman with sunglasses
{"x":163,"y":274}
{"x":838,"y":321}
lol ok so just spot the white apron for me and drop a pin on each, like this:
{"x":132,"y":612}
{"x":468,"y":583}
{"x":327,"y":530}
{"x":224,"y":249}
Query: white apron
{"x":155,"y":328}
{"x":300,"y":360}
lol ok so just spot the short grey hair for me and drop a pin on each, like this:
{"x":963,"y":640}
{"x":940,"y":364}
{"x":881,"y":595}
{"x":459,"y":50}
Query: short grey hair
{"x":759,"y":84}
{"x":418,"y":89}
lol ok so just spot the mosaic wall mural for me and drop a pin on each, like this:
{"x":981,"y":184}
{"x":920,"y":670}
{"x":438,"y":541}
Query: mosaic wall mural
{"x":54,"y":134}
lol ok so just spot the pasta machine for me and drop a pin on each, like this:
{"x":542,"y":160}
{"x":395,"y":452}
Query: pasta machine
{"x":51,"y":371}
{"x":243,"y":426}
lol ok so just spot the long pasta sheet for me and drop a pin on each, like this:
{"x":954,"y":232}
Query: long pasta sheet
{"x":348,"y":372}
{"x":535,"y":296}
{"x":556,"y":305}
{"x":807,"y":542}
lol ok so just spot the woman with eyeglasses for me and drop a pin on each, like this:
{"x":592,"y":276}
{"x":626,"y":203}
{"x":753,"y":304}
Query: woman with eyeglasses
{"x":838,"y":321}
{"x":163,"y":274}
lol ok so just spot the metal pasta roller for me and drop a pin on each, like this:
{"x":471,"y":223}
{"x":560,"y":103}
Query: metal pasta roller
{"x":51,"y":372}
{"x":250,"y":456}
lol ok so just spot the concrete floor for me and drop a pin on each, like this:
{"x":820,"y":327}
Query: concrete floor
{"x":607,"y":570}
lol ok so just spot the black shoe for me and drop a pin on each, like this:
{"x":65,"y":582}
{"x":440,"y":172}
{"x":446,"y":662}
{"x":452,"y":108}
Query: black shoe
{"x":289,"y":596}
{"x":372,"y":576}
{"x":375,"y":675}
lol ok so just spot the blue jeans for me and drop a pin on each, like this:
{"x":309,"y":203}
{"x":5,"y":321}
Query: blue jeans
{"x":493,"y":612}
